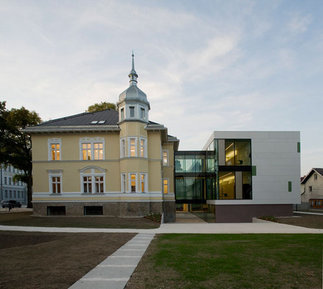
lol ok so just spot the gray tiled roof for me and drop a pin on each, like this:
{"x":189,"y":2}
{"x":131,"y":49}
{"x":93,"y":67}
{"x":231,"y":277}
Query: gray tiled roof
{"x":105,"y":117}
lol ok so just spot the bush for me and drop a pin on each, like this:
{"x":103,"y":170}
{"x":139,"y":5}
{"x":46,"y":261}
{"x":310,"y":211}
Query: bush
{"x":269,"y":218}
{"x":154,"y":217}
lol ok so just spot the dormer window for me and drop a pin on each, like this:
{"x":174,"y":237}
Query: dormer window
{"x":142,"y":113}
{"x":132,"y":111}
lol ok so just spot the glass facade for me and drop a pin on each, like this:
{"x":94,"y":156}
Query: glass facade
{"x":222,"y":172}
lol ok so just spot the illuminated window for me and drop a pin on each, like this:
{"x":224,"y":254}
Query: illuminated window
{"x":54,"y":149}
{"x":133,"y":147}
{"x":55,"y":184}
{"x":86,"y":151}
{"x":92,"y":149}
{"x":133,"y":183}
{"x":165,"y":186}
{"x":143,"y":183}
{"x":165,"y":158}
{"x":98,"y":151}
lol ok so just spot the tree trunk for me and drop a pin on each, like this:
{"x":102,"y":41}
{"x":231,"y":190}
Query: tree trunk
{"x":29,"y":192}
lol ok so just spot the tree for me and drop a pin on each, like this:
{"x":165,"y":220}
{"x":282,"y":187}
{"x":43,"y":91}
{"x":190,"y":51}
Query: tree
{"x":15,"y":144}
{"x":101,"y":106}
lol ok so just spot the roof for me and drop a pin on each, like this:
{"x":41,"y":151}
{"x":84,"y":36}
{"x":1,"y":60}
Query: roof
{"x":106,"y":120}
{"x":314,"y":170}
{"x":105,"y":117}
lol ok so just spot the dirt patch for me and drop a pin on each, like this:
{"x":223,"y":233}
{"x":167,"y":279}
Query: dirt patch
{"x":52,"y":260}
{"x":26,"y":219}
{"x":308,"y":221}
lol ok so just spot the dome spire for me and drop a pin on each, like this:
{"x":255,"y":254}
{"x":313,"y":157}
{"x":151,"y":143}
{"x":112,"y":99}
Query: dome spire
{"x":133,"y":74}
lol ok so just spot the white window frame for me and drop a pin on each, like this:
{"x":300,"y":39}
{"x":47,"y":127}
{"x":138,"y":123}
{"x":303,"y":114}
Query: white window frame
{"x":55,"y":174}
{"x":142,"y":112}
{"x":145,"y":175}
{"x":123,"y":146}
{"x":123,"y":182}
{"x":144,"y":147}
{"x":166,"y":179}
{"x":129,"y":182}
{"x":92,"y":174}
{"x":54,"y":141}
{"x":129,"y":146}
{"x":165,"y":164}
{"x":92,"y":141}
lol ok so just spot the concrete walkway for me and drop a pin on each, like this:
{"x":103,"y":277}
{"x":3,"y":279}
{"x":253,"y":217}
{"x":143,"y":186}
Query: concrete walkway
{"x":184,"y":228}
{"x":115,"y":271}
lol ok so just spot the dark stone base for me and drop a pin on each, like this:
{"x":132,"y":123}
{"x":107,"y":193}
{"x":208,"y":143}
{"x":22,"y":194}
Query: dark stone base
{"x":169,"y":212}
{"x":245,"y":213}
{"x":124,"y":209}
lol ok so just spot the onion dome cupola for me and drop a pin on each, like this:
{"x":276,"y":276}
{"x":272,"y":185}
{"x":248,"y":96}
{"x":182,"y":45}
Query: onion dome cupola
{"x":133,"y":103}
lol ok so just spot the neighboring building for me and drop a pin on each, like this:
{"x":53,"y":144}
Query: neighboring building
{"x":241,"y":175}
{"x":9,"y":189}
{"x":312,"y":189}
{"x":114,"y":163}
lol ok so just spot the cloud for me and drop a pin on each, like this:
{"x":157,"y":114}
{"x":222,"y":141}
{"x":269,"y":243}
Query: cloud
{"x":299,"y":23}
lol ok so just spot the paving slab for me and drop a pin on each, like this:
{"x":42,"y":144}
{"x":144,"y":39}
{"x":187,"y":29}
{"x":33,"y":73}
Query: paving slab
{"x":115,"y":271}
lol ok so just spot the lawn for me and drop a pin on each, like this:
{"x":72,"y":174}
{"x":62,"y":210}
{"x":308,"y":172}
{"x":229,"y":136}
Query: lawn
{"x":26,"y":219}
{"x":52,"y":260}
{"x":231,"y":261}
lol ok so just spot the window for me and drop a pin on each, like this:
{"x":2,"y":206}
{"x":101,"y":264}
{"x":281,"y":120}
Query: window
{"x":133,"y":147}
{"x":9,"y":179}
{"x":6,"y":194}
{"x":93,"y":184}
{"x":55,"y":152}
{"x":142,"y":113}
{"x":56,"y":210}
{"x":86,"y":151}
{"x":92,"y":149}
{"x":54,"y":149}
{"x":143,"y":150}
{"x":55,"y":184}
{"x":310,"y":188}
{"x":132,"y":111}
{"x":315,"y":177}
{"x":5,"y":180}
{"x":289,"y":186}
{"x":165,"y":158}
{"x":98,"y":151}
{"x":122,"y":114}
{"x":122,"y":148}
{"x":123,"y":183}
{"x":133,"y":183}
{"x":143,"y":183}
{"x":165,"y":186}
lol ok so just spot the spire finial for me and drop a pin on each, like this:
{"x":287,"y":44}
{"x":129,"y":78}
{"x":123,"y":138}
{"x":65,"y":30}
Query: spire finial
{"x":133,"y":74}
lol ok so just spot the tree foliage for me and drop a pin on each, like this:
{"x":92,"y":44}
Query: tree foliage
{"x":15,"y":145}
{"x":101,"y":106}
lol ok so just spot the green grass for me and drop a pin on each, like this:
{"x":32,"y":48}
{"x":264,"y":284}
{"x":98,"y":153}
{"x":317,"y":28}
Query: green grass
{"x":232,"y":261}
{"x":26,"y":219}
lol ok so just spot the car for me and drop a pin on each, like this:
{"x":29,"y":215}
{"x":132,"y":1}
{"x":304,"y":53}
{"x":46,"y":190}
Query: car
{"x":11,"y":204}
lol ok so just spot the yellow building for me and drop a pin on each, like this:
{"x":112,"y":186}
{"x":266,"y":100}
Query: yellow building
{"x":113,"y":163}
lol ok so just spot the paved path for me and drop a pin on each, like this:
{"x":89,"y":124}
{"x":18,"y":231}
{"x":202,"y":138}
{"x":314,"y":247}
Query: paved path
{"x":115,"y":271}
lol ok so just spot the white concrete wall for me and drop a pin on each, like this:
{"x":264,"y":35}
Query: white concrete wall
{"x":274,"y":153}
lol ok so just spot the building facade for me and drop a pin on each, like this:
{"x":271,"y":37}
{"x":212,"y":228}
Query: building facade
{"x":240,"y":175}
{"x":312,"y":189}
{"x":113,"y":163}
{"x":10,"y":189}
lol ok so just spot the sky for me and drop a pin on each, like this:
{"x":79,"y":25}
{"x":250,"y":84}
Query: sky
{"x":204,"y":65}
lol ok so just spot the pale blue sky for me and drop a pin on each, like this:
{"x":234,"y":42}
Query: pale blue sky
{"x":205,"y":65}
